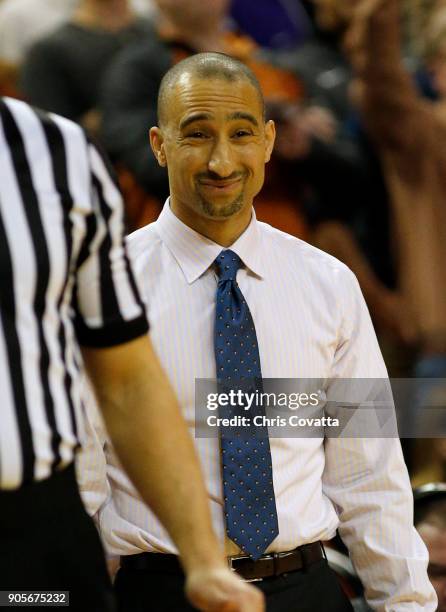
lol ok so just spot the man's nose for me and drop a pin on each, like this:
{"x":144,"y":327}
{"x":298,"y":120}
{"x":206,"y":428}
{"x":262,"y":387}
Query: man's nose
{"x":221,"y":161}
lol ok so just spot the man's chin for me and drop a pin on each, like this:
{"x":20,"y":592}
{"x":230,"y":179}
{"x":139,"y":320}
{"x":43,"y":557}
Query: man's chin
{"x":221,"y":209}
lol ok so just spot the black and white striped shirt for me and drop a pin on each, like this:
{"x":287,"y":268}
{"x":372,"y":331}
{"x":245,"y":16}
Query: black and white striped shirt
{"x":64,"y":281}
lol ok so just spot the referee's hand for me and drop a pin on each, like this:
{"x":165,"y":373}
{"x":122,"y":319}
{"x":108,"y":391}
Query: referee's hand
{"x":220,"y":590}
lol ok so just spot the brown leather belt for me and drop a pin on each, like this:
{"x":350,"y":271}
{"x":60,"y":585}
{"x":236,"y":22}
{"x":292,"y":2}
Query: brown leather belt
{"x":269,"y":565}
{"x":275,"y":564}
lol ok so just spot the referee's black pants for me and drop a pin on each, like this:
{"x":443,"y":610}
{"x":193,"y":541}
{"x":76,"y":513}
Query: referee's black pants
{"x":315,"y":589}
{"x":48,"y":542}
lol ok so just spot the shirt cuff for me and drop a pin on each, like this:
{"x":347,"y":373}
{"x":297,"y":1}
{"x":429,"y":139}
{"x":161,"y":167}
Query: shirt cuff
{"x":111,"y":335}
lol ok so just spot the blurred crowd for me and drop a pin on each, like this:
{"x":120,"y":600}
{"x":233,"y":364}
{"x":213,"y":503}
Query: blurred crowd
{"x":357,"y":89}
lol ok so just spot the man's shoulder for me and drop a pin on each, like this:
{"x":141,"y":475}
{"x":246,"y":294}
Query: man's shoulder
{"x":301,"y":254}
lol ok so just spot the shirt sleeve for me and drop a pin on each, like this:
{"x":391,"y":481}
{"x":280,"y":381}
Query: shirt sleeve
{"x":109,"y":308}
{"x":91,"y":465}
{"x":367,"y":480}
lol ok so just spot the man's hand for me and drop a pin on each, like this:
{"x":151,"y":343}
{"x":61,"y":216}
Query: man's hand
{"x":354,"y":37}
{"x":220,"y":590}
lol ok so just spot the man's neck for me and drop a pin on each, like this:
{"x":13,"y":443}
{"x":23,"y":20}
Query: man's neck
{"x":113,"y":15}
{"x":222,"y":232}
{"x":201,"y":39}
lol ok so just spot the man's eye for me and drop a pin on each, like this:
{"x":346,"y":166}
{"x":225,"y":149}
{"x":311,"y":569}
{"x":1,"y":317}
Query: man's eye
{"x":241,"y":133}
{"x":196,"y":135}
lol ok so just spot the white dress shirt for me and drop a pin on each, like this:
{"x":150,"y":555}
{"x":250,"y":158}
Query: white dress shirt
{"x":311,"y":321}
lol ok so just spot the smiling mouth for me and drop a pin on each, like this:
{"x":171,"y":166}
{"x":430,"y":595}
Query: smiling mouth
{"x":221,"y":186}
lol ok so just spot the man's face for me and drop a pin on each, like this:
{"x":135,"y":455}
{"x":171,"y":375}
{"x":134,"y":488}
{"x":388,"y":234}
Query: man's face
{"x":435,"y":540}
{"x":215,"y":144}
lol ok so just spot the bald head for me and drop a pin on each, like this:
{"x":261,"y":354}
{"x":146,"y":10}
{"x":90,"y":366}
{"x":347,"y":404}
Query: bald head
{"x":204,"y":66}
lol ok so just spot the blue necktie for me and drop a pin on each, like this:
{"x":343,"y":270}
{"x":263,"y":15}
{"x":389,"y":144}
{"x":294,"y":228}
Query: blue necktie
{"x":250,"y":506}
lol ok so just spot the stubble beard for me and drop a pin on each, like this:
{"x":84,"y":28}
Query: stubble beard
{"x":216,"y":211}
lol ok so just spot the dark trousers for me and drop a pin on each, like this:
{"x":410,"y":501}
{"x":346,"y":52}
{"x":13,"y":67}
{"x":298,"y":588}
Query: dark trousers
{"x":48,"y":542}
{"x":313,"y":590}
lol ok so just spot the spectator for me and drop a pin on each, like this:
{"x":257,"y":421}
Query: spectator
{"x":319,"y":62}
{"x":62,"y":71}
{"x":349,"y":215}
{"x":22,"y":22}
{"x":410,"y":135}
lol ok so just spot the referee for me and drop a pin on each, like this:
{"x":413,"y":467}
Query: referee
{"x":67,"y":297}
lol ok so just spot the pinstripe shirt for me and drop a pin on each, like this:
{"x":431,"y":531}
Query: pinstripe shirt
{"x":311,"y":321}
{"x":65,"y":281}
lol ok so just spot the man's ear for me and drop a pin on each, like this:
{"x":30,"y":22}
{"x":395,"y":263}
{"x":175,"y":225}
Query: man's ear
{"x":270,"y":137}
{"x":157,"y":144}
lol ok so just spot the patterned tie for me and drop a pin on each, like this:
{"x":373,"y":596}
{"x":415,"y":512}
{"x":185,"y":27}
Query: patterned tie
{"x":250,"y":506}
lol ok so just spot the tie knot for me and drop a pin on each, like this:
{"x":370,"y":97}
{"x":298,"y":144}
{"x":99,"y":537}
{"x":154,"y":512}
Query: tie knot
{"x":228,"y":264}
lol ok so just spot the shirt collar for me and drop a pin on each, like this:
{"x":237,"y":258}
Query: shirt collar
{"x":195,"y":253}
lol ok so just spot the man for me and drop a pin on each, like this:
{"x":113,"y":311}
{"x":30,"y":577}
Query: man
{"x":430,"y":520}
{"x":232,"y":297}
{"x":66,"y":284}
{"x":63,"y":70}
{"x":410,"y":134}
{"x":22,"y":22}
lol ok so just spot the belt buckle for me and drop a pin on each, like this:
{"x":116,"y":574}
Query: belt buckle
{"x":233,"y":569}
